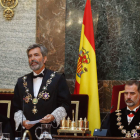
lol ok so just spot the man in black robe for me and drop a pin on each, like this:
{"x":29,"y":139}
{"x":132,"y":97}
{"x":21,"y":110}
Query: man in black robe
{"x":40,"y":95}
{"x":124,"y":124}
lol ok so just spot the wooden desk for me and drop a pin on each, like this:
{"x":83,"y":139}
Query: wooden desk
{"x":67,"y":137}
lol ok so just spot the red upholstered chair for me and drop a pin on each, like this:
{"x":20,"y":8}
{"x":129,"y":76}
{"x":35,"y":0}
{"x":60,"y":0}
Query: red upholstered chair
{"x":114,"y":100}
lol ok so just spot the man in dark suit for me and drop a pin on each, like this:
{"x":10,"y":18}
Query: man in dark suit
{"x":40,"y":95}
{"x":126,"y":122}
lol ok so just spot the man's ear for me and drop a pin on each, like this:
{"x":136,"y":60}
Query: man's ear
{"x":45,"y":59}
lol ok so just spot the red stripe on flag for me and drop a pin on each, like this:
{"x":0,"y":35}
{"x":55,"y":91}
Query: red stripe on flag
{"x":87,"y":21}
{"x":76,"y":90}
{"x":79,"y":67}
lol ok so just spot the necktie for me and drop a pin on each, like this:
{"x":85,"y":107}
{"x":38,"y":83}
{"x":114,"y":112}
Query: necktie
{"x":40,"y":75}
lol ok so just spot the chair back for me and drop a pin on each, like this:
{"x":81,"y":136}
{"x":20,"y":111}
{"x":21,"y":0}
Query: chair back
{"x":83,"y":105}
{"x":114,"y":100}
{"x":5,"y":104}
{"x":6,"y":107}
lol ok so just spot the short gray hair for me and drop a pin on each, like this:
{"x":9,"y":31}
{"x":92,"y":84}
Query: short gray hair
{"x":43,"y":49}
{"x":131,"y":82}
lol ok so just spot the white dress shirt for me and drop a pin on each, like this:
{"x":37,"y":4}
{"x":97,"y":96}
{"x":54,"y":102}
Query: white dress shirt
{"x":129,"y":119}
{"x":37,"y":83}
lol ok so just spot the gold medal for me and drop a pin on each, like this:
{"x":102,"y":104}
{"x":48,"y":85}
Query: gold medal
{"x":128,"y":134}
{"x":34,"y":110}
{"x":46,"y":96}
{"x":35,"y":101}
{"x":27,"y":98}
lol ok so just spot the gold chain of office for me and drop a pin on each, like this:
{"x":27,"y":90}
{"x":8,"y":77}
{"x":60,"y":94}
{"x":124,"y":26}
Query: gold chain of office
{"x":43,"y":94}
{"x":128,"y":134}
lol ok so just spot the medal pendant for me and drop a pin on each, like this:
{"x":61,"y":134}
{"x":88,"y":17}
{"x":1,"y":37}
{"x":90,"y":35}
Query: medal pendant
{"x":35,"y":101}
{"x":34,"y":110}
{"x":46,"y":96}
{"x":27,"y":99}
{"x":128,"y":134}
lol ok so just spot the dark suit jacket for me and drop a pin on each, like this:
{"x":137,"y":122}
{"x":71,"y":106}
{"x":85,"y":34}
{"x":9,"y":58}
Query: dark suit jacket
{"x":114,"y":131}
{"x":58,"y":91}
{"x":6,"y":126}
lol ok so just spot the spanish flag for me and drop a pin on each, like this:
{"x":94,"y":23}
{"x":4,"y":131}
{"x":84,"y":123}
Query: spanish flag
{"x":86,"y":74}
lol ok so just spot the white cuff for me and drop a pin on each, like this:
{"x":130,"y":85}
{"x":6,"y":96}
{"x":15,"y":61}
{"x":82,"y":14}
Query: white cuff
{"x":19,"y":117}
{"x":58,"y":114}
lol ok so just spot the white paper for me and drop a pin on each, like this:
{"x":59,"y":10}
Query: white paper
{"x":33,"y":122}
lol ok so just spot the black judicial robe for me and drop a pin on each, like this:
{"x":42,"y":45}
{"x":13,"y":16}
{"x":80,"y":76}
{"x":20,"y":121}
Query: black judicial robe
{"x":59,"y":96}
{"x":114,"y":131}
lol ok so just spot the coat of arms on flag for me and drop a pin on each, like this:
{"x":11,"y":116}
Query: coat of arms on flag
{"x":83,"y":59}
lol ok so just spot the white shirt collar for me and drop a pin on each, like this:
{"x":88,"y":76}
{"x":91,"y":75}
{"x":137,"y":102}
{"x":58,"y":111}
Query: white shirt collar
{"x":134,"y":108}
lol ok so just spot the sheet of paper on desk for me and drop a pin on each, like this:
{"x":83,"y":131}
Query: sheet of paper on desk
{"x":33,"y":122}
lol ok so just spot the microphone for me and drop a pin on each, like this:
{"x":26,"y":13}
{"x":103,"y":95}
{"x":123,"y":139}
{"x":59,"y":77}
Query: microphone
{"x":105,"y":117}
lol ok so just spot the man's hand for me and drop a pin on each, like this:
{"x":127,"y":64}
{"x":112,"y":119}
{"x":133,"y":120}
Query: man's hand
{"x":48,"y":118}
{"x":27,"y":126}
